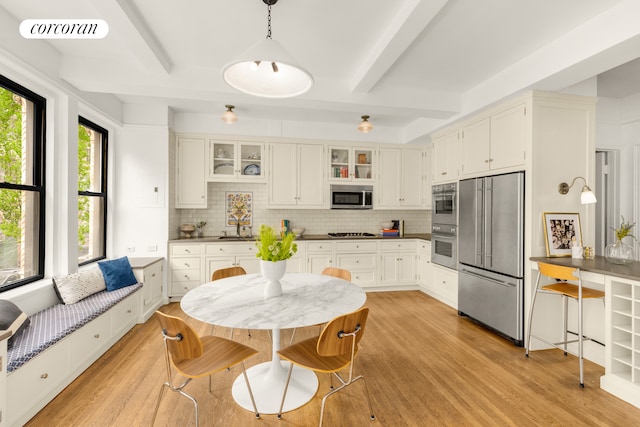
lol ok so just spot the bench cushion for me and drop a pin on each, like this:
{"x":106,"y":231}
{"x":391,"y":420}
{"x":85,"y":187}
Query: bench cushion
{"x":54,"y":323}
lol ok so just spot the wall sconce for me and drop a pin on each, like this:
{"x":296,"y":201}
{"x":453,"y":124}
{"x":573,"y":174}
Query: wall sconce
{"x":364,"y":125}
{"x":229,"y":117}
{"x":586,"y":197}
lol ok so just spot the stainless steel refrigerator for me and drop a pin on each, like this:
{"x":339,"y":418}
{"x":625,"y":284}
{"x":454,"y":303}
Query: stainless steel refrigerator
{"x":491,"y":251}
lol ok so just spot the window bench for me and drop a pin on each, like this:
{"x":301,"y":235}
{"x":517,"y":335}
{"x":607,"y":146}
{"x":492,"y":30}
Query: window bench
{"x":60,"y":343}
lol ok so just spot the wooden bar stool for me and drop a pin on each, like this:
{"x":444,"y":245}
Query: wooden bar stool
{"x":563,"y":287}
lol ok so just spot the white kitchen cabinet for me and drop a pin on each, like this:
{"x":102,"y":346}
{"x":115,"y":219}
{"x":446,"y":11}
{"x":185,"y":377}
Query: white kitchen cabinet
{"x":445,"y":157}
{"x":495,"y":142}
{"x":445,"y":285}
{"x":397,"y":262}
{"x":185,"y":260}
{"x":359,"y":257}
{"x":236,"y":161}
{"x":427,"y":175}
{"x":4,"y":338}
{"x":222,"y":255}
{"x":423,"y":268}
{"x":319,"y":256}
{"x":191,"y":183}
{"x":400,"y":179}
{"x":296,"y":176}
{"x":351,"y":164}
{"x":149,"y":272}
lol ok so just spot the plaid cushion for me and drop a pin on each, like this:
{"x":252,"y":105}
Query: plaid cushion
{"x":54,"y":323}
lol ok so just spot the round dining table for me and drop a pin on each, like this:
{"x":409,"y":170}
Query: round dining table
{"x":239,"y":302}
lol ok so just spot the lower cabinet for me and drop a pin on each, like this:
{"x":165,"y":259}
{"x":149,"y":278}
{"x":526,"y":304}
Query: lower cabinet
{"x":398,"y":262}
{"x":319,"y":256}
{"x":444,"y":286}
{"x":359,"y":257}
{"x":423,"y":268}
{"x":149,"y":272}
{"x":185,"y":266}
{"x":222,"y":255}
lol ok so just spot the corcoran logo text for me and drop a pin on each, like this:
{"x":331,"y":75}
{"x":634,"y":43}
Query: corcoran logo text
{"x":64,"y":28}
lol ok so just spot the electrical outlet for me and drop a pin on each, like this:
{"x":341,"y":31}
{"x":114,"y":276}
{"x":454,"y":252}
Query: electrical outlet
{"x":131,"y":248}
{"x":152,"y":248}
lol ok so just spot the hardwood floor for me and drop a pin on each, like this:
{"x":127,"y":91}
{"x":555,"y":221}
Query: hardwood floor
{"x":423,"y":364}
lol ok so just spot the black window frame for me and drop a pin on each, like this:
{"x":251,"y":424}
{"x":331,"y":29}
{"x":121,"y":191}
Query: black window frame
{"x":38,"y":171}
{"x":103,"y":184}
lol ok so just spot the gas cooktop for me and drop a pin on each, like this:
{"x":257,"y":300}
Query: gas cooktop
{"x":345,"y":235}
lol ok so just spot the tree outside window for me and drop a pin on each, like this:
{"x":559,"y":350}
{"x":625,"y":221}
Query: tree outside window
{"x":92,"y":191}
{"x":21,"y":185}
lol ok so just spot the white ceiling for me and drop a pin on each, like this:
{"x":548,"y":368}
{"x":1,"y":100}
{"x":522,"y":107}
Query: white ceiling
{"x":409,"y":64}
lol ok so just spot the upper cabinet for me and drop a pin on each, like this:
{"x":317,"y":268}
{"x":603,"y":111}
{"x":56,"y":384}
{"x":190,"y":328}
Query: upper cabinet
{"x":427,"y":176}
{"x":401,"y":178}
{"x":351,"y":164}
{"x":191,"y":185}
{"x":296,"y":175}
{"x":445,"y":157}
{"x":236,"y":161}
{"x":495,"y":142}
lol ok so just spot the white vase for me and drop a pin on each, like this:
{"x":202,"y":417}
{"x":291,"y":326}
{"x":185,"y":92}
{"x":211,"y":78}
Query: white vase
{"x":273,"y":272}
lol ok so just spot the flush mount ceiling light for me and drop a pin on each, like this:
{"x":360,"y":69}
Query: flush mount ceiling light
{"x":229,"y":117}
{"x":267,"y":70}
{"x":586,"y":196}
{"x":364,"y":125}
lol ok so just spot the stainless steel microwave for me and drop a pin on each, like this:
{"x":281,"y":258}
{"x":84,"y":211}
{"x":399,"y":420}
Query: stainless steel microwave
{"x":351,"y":197}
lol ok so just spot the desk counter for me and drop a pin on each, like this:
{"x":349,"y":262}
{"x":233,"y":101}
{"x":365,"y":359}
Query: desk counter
{"x":622,"y":322}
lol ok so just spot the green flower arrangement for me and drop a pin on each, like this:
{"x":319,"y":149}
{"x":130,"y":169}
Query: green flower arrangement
{"x":271,"y":248}
{"x":624,"y":230}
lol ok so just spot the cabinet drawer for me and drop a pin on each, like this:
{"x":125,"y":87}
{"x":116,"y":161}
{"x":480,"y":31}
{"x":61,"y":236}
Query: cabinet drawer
{"x":37,"y":378}
{"x":367,"y":277}
{"x":185,"y":275}
{"x":181,"y":288}
{"x":369,"y":246}
{"x":124,"y":313}
{"x":230,"y":248}
{"x":90,"y":339}
{"x":424,"y":246}
{"x":357,"y":261}
{"x":319,"y":246}
{"x":398,"y":245}
{"x":193,"y":249}
{"x":187,"y":263}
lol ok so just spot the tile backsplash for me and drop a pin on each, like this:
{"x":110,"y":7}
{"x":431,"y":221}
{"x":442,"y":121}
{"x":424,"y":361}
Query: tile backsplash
{"x":315,"y":221}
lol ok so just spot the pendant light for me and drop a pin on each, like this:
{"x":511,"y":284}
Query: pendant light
{"x":364,"y":125}
{"x":267,"y":70}
{"x":229,"y":117}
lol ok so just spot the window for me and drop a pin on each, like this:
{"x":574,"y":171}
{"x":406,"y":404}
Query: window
{"x":22,"y":207}
{"x":92,"y":191}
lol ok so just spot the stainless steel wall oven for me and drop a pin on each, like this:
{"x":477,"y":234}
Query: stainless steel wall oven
{"x":445,"y":203}
{"x":444,"y":246}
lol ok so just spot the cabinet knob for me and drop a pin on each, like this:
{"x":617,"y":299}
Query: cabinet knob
{"x":129,"y":311}
{"x":44,"y":376}
{"x":96,"y":336}
{"x":153,"y":275}
{"x":186,"y":264}
{"x":187,"y":251}
{"x":186,"y":277}
{"x":486,"y":161}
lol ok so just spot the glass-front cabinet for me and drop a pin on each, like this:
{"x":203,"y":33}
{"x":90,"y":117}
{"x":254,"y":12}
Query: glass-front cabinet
{"x":351,"y":164}
{"x":236,"y":160}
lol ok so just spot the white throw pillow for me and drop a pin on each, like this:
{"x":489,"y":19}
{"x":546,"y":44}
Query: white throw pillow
{"x":76,"y":286}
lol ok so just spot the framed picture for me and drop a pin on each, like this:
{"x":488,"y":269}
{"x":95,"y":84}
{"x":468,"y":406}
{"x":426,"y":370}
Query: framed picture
{"x":561,"y":230}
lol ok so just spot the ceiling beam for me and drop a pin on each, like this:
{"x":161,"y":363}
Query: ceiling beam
{"x":412,"y":18}
{"x":135,"y":33}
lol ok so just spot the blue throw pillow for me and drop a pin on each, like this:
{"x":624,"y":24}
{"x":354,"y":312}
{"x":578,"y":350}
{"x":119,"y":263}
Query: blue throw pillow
{"x":117,"y":273}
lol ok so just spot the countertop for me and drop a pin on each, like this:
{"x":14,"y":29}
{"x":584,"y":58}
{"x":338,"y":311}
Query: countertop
{"x":211,"y":239}
{"x":598,"y":264}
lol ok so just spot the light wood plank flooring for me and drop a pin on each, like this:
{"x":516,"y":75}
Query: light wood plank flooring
{"x":423,"y":364}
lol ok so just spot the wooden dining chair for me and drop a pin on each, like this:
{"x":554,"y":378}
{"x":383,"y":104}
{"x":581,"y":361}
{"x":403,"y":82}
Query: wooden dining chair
{"x":340,"y":273}
{"x":223,"y":273}
{"x":193,"y":356}
{"x":334,"y":350}
{"x":566,"y":282}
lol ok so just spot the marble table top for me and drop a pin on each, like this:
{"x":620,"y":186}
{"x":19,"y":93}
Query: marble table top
{"x":238,"y":302}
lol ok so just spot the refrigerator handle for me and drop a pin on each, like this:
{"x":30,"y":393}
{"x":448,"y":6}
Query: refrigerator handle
{"x":478,"y":229}
{"x":488,"y":221}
